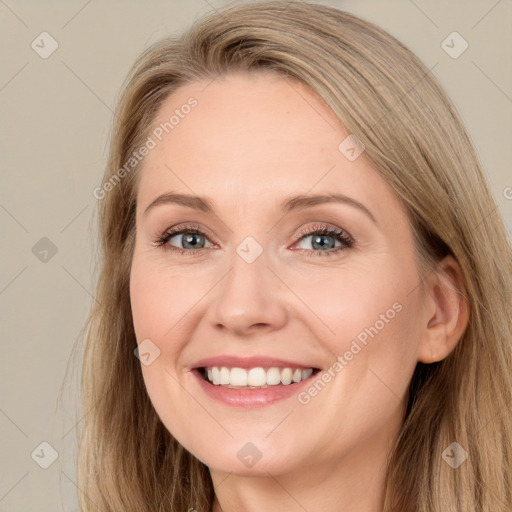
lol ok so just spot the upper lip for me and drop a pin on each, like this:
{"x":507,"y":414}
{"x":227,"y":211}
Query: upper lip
{"x":231,"y":361}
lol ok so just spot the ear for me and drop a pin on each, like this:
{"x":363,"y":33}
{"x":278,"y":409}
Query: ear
{"x":446,"y":311}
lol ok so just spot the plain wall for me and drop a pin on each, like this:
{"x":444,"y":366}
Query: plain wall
{"x":56,"y":115}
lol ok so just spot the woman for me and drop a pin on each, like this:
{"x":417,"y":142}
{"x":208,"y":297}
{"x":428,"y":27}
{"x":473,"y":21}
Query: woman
{"x":376,"y":376}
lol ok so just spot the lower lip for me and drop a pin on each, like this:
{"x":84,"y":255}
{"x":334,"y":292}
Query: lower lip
{"x":251,"y":397}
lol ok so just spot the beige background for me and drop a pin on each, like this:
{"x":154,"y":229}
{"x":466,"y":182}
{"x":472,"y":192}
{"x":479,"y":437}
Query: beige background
{"x":56,"y":116}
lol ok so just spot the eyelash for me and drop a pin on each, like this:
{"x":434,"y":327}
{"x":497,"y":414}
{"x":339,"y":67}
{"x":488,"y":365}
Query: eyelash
{"x":341,"y":235}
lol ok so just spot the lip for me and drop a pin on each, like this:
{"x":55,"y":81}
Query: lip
{"x":250,"y":398}
{"x":231,"y":361}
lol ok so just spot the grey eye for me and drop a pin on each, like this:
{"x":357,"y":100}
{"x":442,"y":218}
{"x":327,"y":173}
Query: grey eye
{"x":191,"y":240}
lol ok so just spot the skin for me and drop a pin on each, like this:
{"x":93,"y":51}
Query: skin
{"x":251,"y":142}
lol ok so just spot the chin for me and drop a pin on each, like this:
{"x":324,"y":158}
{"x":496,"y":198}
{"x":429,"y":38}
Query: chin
{"x":247,"y":459}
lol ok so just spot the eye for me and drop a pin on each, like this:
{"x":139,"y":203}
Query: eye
{"x":191,"y":238}
{"x":324,"y":239}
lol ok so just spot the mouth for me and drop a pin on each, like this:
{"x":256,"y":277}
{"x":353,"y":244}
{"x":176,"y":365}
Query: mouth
{"x":254,"y":378}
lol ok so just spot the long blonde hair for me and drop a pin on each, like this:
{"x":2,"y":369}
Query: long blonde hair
{"x":381,"y":92}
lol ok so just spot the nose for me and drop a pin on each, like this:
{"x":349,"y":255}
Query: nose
{"x":250,"y":299}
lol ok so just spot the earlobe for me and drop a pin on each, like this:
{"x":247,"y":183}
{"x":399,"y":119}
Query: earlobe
{"x":447,"y":311}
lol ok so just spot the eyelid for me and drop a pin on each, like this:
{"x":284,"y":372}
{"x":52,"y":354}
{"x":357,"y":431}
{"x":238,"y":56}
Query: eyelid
{"x":192,"y":227}
{"x":324,"y":227}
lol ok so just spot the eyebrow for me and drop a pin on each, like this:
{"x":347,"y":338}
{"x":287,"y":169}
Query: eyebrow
{"x":291,"y":204}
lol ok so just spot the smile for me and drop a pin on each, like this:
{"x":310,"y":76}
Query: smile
{"x":254,"y":378}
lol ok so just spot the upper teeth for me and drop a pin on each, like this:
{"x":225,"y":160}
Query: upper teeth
{"x":258,"y":376}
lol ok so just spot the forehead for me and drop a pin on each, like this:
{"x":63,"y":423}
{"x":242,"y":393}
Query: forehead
{"x":249,"y":137}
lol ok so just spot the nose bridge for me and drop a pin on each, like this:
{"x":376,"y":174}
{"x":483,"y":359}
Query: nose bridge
{"x":248,"y":295}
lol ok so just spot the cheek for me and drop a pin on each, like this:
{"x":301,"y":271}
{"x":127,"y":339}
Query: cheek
{"x":158,"y":300}
{"x":157,"y":307}
{"x":148,"y":301}
{"x":358,"y":301}
{"x":370,"y":319}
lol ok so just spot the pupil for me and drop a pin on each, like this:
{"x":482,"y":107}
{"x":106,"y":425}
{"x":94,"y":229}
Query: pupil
{"x":189,"y":239}
{"x":317,"y":242}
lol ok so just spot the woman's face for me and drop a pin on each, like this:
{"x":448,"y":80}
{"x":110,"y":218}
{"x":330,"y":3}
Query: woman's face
{"x":264,"y":288}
